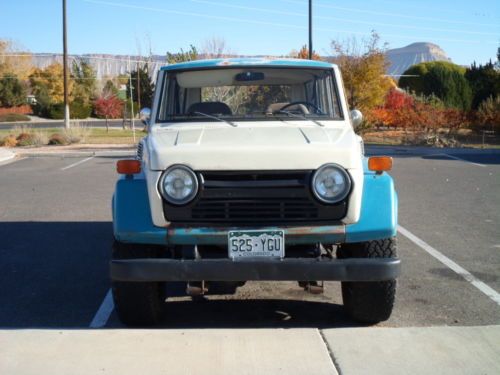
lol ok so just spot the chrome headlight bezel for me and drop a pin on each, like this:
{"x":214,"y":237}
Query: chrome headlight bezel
{"x":190,"y":197}
{"x":340,"y":196}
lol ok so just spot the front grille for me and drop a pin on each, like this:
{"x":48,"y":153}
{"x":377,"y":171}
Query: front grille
{"x":255,"y":197}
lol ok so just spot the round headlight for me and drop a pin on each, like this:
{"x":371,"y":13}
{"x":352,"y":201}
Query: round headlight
{"x":178,"y":185}
{"x":331,"y":183}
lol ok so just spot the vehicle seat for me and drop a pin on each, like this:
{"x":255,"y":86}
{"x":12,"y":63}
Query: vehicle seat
{"x":276,"y":107}
{"x":210,"y":108}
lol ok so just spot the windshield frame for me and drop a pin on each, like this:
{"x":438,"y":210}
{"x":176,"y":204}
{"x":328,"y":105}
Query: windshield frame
{"x":277,"y":116}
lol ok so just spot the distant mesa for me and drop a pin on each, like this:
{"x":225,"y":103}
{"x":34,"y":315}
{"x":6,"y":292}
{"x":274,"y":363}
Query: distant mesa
{"x":402,"y":58}
{"x":107,"y":65}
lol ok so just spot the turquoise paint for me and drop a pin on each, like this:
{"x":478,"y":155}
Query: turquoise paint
{"x":218,"y":236}
{"x":247,"y":62}
{"x":131,"y":214}
{"x":379,"y":210}
{"x":132,"y":221}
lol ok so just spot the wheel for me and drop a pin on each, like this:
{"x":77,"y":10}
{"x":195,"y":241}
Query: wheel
{"x":138,"y":303}
{"x":369,"y":302}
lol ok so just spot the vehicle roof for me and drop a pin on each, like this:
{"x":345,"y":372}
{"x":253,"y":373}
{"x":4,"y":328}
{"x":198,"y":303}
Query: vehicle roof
{"x":247,"y":63}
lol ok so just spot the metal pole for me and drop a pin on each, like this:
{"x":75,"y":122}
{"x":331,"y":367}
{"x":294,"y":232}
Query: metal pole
{"x":65,"y":69}
{"x":310,"y":30}
{"x":131,"y":98}
{"x":138,"y":88}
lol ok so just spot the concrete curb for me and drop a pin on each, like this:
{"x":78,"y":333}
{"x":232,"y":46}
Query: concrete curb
{"x":423,"y":350}
{"x":345,"y":351}
{"x":79,"y":154}
{"x":171,"y":351}
{"x":6,"y":155}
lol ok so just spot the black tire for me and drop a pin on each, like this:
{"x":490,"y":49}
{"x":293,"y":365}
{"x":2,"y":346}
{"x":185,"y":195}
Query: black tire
{"x":369,"y":302}
{"x":138,"y":303}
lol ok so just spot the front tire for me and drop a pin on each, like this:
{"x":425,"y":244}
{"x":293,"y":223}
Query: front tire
{"x":369,"y":302}
{"x":138,"y":303}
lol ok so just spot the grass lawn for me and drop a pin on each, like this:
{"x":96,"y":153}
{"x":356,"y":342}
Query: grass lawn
{"x":92,"y":136}
{"x":114,"y":136}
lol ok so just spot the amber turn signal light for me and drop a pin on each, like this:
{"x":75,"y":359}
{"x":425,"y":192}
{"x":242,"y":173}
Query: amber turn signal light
{"x":380,"y":163}
{"x":128,"y":166}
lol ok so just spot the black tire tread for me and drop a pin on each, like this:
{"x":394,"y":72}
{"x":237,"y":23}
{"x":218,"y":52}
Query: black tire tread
{"x":137,"y":303}
{"x":369,"y":302}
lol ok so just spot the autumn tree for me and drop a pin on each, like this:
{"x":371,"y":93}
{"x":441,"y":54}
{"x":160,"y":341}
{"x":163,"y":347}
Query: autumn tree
{"x":49,"y":81}
{"x":14,"y":60}
{"x":303,"y":53}
{"x":363,"y":66}
{"x":488,"y":113}
{"x":108,"y":107}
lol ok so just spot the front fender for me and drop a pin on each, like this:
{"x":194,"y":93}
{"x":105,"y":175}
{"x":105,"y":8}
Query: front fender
{"x":379,"y":210}
{"x":132,"y":221}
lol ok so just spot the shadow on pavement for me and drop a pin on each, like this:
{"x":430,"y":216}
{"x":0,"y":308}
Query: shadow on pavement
{"x":489,"y":159}
{"x":53,"y":274}
{"x":254,"y":313}
{"x":481,"y":156}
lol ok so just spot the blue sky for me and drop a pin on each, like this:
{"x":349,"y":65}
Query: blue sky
{"x":466,"y":30}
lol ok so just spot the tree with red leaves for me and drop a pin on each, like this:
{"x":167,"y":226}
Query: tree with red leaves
{"x":108,"y":107}
{"x":398,"y":99}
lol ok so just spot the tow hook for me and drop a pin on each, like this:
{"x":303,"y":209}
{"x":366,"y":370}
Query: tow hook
{"x":197,"y":288}
{"x":312,"y":287}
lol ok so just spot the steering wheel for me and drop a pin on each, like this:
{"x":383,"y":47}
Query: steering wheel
{"x":307,"y":104}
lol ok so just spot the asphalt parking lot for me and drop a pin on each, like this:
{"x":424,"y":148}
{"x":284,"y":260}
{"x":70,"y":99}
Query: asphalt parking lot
{"x":56,"y":234}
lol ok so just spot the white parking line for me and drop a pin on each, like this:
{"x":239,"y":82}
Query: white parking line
{"x":465,"y":161}
{"x":490,"y":292}
{"x":77,"y":163}
{"x":102,"y":315}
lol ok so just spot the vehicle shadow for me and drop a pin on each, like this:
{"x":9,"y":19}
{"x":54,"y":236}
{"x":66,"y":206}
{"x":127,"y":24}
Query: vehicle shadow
{"x":56,"y":275}
{"x":254,"y":313}
{"x":53,"y":274}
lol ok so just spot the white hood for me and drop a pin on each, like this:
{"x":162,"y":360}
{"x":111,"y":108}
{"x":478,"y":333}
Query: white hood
{"x":270,"y":145}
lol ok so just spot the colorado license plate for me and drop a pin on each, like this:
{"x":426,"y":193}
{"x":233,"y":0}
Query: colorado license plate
{"x":256,"y":243}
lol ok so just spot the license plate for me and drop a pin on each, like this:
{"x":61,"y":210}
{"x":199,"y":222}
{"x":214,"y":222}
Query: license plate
{"x":256,"y":243}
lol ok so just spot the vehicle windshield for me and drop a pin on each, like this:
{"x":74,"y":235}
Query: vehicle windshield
{"x":231,"y":94}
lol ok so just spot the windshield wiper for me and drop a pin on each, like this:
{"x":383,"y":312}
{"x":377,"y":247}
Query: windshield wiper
{"x":291,"y":114}
{"x":216,"y":118}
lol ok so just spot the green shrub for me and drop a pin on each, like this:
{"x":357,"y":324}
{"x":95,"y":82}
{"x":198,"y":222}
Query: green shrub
{"x":12,"y":91}
{"x":32,"y":138}
{"x":57,"y":140}
{"x":56,"y":111}
{"x":80,"y":110}
{"x":25,"y":139}
{"x":443,"y":79}
{"x":77,"y":110}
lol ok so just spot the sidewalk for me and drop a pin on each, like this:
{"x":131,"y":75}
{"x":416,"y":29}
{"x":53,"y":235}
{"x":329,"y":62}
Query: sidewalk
{"x":6,"y":154}
{"x":433,"y":350}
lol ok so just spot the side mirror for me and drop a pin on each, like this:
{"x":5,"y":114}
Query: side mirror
{"x":145,"y":116}
{"x":356,"y":118}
